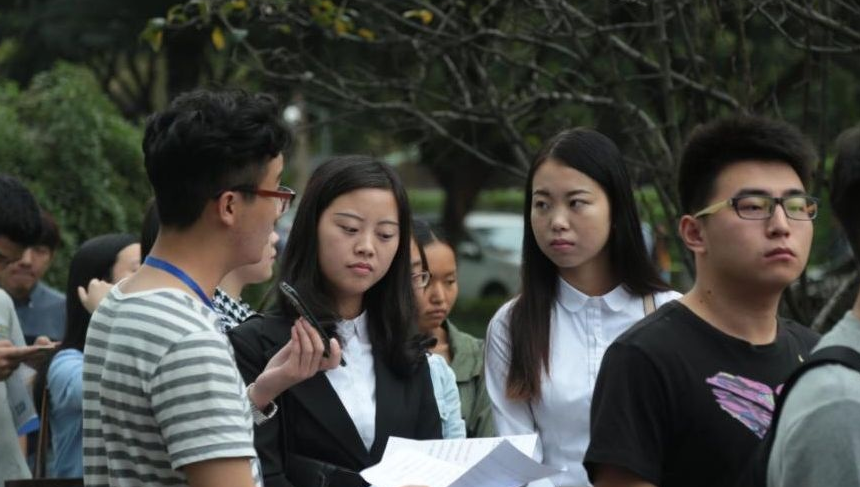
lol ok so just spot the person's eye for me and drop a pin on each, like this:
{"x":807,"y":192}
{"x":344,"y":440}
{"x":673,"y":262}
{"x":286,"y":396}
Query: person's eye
{"x":752,"y":204}
{"x":541,"y":205}
{"x":348,"y":229}
{"x":386,"y":236}
{"x":451,"y":282}
{"x":577,"y":203}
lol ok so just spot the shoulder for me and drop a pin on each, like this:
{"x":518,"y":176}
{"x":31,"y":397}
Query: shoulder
{"x":262,"y":331}
{"x":168,"y":310}
{"x":52,"y":294}
{"x":463,"y":341}
{"x":5,"y":301}
{"x":797,"y":332}
{"x":439,"y":368}
{"x":652,"y":330}
{"x":468,"y":359}
{"x":824,"y":400}
{"x":500,"y":321}
{"x":69,"y":359}
{"x":68,"y":355}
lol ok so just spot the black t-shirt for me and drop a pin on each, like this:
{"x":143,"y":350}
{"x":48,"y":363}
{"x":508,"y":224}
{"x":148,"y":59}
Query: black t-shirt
{"x":680,"y":403}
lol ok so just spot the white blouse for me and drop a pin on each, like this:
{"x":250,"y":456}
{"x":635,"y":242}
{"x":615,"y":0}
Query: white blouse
{"x":355,"y":384}
{"x":581,"y":329}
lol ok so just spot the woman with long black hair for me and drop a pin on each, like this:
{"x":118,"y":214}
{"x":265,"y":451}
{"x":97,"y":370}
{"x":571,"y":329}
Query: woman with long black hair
{"x":586,"y":278}
{"x":348,"y":256}
{"x":104,"y":259}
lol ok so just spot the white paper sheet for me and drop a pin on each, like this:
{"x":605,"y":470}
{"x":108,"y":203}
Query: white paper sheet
{"x":464,"y":451}
{"x":488,"y":462}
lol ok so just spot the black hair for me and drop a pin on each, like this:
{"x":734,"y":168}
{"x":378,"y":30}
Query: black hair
{"x":425,"y":234}
{"x":94,"y":260}
{"x":207,"y":142}
{"x":718,"y":144}
{"x":389,"y":303}
{"x":50,"y":234}
{"x":845,"y":187}
{"x":20,"y":220}
{"x":149,"y":229}
{"x":596,"y":156}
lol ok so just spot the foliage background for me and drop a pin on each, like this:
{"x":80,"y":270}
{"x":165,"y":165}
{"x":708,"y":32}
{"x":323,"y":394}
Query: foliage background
{"x":71,"y":146}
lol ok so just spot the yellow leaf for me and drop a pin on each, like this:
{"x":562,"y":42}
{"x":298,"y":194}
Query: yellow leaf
{"x":424,"y":15}
{"x":155,"y":41}
{"x":340,"y":27}
{"x":218,"y":38}
{"x":366,"y":34}
{"x":239,"y":4}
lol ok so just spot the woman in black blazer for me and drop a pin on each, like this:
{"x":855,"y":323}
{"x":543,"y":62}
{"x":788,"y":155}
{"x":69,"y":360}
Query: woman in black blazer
{"x":348,"y":257}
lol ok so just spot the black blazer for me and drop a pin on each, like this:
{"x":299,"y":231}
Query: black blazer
{"x":313,"y":425}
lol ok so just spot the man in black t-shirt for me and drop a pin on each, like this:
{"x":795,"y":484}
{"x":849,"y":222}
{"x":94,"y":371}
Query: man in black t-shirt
{"x":684,"y":396}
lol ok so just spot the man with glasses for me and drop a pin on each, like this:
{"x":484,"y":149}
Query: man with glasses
{"x":685,"y":395}
{"x":817,"y":439}
{"x":163,"y":401}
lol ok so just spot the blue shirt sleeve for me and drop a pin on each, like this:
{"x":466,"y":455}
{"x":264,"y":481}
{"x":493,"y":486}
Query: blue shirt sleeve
{"x":447,"y":397}
{"x":65,"y":380}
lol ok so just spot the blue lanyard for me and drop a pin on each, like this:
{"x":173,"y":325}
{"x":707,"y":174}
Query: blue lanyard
{"x":181,"y":275}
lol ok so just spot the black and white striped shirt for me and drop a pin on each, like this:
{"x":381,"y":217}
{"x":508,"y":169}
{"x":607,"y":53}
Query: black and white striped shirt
{"x":161,"y":391}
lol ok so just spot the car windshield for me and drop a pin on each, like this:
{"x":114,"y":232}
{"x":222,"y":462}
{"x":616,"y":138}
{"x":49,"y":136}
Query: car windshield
{"x":506,"y":240}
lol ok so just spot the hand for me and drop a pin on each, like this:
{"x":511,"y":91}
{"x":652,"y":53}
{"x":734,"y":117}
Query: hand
{"x":12,"y":356}
{"x":94,"y":293}
{"x":35,"y":360}
{"x":298,"y":360}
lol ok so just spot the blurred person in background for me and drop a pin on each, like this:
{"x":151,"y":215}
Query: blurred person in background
{"x":463,"y":352}
{"x":441,"y":374}
{"x":108,"y":259}
{"x":20,"y":227}
{"x":41,"y":309}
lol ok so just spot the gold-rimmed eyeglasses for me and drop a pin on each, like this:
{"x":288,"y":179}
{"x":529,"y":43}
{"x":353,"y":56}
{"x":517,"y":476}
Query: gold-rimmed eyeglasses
{"x":761,"y":207}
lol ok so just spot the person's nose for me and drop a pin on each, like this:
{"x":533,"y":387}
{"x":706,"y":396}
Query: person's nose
{"x":364,"y":244}
{"x":558,"y":221}
{"x":436,"y":295}
{"x":26,"y":258}
{"x":778,"y":224}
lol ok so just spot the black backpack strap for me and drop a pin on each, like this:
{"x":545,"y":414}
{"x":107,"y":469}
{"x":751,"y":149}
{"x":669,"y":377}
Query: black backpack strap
{"x":755,"y":475}
{"x":832,"y":355}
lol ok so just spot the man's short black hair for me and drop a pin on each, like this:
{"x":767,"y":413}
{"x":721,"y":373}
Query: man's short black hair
{"x":716,"y":145}
{"x":50,"y":234}
{"x":207,"y":142}
{"x":845,"y":186}
{"x":19,"y":214}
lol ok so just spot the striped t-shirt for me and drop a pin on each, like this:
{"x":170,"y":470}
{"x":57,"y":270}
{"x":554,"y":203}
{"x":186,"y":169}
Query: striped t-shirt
{"x":161,"y":391}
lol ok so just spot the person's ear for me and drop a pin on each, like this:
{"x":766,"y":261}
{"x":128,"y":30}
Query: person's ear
{"x":693,"y":234}
{"x":227,"y":207}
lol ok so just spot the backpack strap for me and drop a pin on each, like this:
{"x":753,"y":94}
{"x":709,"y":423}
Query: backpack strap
{"x":832,"y":355}
{"x":756,"y":473}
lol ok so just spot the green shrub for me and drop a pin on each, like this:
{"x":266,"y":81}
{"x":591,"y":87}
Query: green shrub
{"x":70,"y":145}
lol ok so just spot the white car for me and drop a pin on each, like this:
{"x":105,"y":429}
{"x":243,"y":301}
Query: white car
{"x":488,"y":258}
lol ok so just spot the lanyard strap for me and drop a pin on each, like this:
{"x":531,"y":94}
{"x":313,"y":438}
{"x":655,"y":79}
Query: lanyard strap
{"x":181,"y":275}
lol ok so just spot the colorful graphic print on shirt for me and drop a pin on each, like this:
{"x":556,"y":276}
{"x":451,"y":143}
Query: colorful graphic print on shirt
{"x":746,"y":400}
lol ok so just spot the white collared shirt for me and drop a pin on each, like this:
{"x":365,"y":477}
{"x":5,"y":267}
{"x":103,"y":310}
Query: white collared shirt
{"x":355,"y":384}
{"x":581,"y":329}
